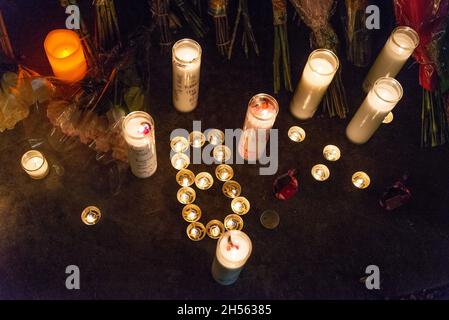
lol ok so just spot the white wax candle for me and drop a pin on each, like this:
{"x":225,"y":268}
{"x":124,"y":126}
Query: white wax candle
{"x":35,"y":164}
{"x":384,"y":96}
{"x":233,"y":251}
{"x":138,"y":130}
{"x":186,"y":74}
{"x":316,"y":78}
{"x":398,"y":49}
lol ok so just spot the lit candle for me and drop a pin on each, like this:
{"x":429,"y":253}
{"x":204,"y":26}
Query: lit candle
{"x":233,"y":251}
{"x":260,"y":117}
{"x":196,"y":231}
{"x":240,"y":205}
{"x":222,"y":153}
{"x":138,"y":131}
{"x":180,"y":161}
{"x":215,"y":137}
{"x":233,"y":222}
{"x":231,"y":189}
{"x":191,"y":213}
{"x":398,"y":49}
{"x":320,"y":172}
{"x":331,"y":153}
{"x":197,"y":139}
{"x":179,"y":144}
{"x":65,"y":54}
{"x":382,"y":98}
{"x":316,"y":78}
{"x":186,"y":195}
{"x":297,"y":134}
{"x":91,"y":215}
{"x":389,"y":118}
{"x":204,"y":181}
{"x":214,"y":229}
{"x":224,"y":172}
{"x":185,"y":178}
{"x":361,"y":180}
{"x":35,"y":164}
{"x":186,"y":56}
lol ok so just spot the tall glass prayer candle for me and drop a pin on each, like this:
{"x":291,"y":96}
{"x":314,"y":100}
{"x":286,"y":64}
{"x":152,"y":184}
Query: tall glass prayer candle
{"x":382,"y":98}
{"x":34,"y":163}
{"x":65,"y":54}
{"x":233,"y":251}
{"x":316,"y":78}
{"x":399,"y":47}
{"x":138,"y":131}
{"x":260,"y":117}
{"x":186,"y":59}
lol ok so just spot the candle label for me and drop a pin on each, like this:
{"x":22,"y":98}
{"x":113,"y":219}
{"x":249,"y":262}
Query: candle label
{"x":143,"y":160}
{"x":186,"y":87}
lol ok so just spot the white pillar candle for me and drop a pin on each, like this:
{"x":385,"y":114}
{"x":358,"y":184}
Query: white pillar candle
{"x":382,"y":98}
{"x":316,"y":78}
{"x":186,"y":59}
{"x":398,"y":49}
{"x":138,"y":131}
{"x":233,"y":251}
{"x":35,"y":164}
{"x":260,"y":117}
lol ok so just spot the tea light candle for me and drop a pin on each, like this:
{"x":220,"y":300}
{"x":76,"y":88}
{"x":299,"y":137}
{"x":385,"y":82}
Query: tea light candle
{"x":320,"y":172}
{"x":179,"y":144}
{"x":215,"y":137}
{"x":389,"y":118}
{"x":318,"y":74}
{"x":260,"y":117}
{"x":186,"y":195}
{"x":204,"y":180}
{"x":91,"y":215}
{"x":197,"y":139}
{"x":186,"y":55}
{"x":233,"y":251}
{"x":222,"y":153}
{"x":35,"y":164}
{"x":232,"y":189}
{"x":361,"y":180}
{"x":191,"y":213}
{"x":196,"y":231}
{"x":331,"y":153}
{"x":384,"y":96}
{"x":240,"y":206}
{"x":233,"y":222}
{"x":398,"y":49}
{"x":185,"y":178}
{"x":180,"y":161}
{"x":65,"y":54}
{"x":297,"y":134}
{"x":224,"y":172}
{"x":139,"y":133}
{"x":214,"y":229}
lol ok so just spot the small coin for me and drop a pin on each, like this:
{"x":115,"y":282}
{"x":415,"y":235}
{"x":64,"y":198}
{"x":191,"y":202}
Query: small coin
{"x":269,"y":219}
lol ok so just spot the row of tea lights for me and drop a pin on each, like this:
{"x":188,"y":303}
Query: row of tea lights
{"x":321,"y":172}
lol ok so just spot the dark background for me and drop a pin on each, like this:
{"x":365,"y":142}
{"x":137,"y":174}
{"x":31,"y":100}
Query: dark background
{"x":328,"y":234}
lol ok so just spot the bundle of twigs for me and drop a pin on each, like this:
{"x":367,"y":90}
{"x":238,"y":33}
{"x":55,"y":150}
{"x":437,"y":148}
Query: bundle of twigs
{"x":197,"y":4}
{"x":107,"y":31}
{"x":192,"y":18}
{"x":248,"y":34}
{"x":4,"y":40}
{"x":161,"y":17}
{"x":358,"y":44}
{"x":218,"y":10}
{"x":281,"y":47}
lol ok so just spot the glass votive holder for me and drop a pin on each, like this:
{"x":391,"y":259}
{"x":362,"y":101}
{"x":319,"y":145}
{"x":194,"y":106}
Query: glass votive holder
{"x":196,"y":231}
{"x":297,"y":134}
{"x":222,"y":153}
{"x":215,"y":229}
{"x":186,"y":195}
{"x":35,"y":165}
{"x":320,"y":172}
{"x":204,"y":180}
{"x":197,"y":139}
{"x":232,"y":189}
{"x":91,"y":215}
{"x":180,"y":161}
{"x":361,"y":180}
{"x":240,"y":206}
{"x":233,"y":222}
{"x":185,"y":178}
{"x":191,"y":213}
{"x":179,"y":144}
{"x":389,"y":118}
{"x":331,"y":153}
{"x":224,"y":172}
{"x":215,"y":137}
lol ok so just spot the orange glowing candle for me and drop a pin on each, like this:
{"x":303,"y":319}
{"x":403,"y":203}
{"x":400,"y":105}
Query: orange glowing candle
{"x":65,"y":54}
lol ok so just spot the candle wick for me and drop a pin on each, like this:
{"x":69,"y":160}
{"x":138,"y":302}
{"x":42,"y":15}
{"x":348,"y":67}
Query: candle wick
{"x":231,"y":244}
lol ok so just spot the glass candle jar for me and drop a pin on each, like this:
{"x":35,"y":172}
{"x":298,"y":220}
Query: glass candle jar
{"x":35,"y":165}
